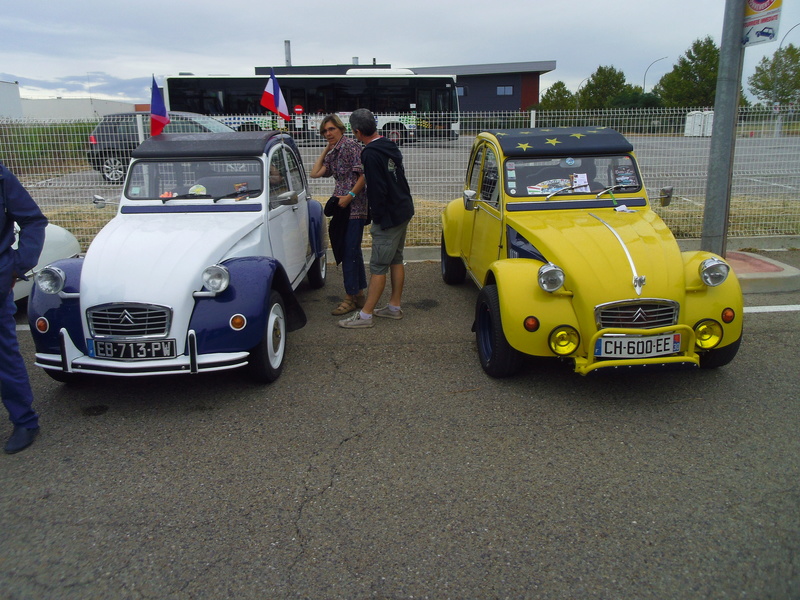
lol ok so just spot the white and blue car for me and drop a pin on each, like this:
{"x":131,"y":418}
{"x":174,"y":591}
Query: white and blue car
{"x":197,"y":272}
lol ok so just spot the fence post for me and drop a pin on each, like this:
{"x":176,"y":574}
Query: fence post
{"x":533,"y":118}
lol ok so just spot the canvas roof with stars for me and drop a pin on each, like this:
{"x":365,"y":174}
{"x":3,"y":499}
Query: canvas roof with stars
{"x":562,"y":141}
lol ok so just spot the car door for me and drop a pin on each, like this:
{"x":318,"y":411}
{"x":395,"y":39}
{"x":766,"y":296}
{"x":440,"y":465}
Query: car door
{"x":287,"y":214}
{"x":486,"y":239}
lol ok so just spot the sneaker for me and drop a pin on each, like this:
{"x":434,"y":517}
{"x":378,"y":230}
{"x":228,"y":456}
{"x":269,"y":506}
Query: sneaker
{"x":388,"y":313}
{"x":356,"y":322}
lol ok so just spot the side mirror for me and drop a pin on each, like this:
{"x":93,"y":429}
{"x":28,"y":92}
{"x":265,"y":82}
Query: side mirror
{"x":99,"y":201}
{"x":469,"y":199}
{"x":666,"y":195}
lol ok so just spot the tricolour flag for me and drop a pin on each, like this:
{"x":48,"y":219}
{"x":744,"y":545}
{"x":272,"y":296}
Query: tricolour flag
{"x":272,"y":98}
{"x":158,"y":111}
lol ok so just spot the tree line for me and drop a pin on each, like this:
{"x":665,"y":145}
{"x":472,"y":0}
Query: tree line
{"x":692,"y":82}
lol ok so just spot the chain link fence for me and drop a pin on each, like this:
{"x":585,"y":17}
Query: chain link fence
{"x":50,"y":158}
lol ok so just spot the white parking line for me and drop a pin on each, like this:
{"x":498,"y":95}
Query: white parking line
{"x":769,"y":309}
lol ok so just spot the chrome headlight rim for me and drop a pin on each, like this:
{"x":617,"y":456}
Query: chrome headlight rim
{"x":550,"y":277}
{"x":216,"y":278}
{"x":50,"y":280}
{"x":714,"y":271}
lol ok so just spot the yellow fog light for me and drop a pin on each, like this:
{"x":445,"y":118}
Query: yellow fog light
{"x":709,"y":334}
{"x":564,"y":340}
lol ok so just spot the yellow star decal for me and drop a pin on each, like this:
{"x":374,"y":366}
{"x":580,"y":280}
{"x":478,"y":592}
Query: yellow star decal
{"x":524,"y":146}
{"x":578,"y":135}
{"x":552,"y":141}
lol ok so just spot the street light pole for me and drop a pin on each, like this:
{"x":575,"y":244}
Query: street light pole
{"x":647,"y":69}
{"x":577,"y":97}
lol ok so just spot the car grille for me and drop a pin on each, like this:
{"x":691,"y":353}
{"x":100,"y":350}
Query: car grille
{"x":637,"y":314}
{"x":129,"y":320}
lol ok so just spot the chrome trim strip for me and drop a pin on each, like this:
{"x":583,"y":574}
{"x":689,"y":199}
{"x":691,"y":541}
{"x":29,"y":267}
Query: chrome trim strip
{"x":638,"y":280}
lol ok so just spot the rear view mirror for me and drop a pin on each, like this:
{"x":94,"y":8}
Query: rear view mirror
{"x":469,"y":199}
{"x":666,"y":195}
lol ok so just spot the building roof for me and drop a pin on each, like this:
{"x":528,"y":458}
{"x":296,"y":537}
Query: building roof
{"x":539,"y":66}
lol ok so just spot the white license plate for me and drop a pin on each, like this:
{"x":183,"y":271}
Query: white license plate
{"x":639,"y":346}
{"x":149,"y":350}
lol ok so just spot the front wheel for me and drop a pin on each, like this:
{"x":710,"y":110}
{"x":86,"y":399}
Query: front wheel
{"x":394,"y":134}
{"x":318,"y":272}
{"x":266,"y":359}
{"x":497,"y":357}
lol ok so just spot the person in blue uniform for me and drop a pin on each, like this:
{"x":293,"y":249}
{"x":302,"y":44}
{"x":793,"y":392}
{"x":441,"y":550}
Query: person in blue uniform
{"x":16,"y":206}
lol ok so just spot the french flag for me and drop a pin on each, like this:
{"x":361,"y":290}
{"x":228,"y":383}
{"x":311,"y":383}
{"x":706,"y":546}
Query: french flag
{"x":158,"y":111}
{"x":272,"y":99}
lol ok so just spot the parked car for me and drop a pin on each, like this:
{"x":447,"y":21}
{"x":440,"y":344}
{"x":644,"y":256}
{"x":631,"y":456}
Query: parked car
{"x":198,"y":270}
{"x":58,"y":243}
{"x":117,"y":135}
{"x":556,"y":229}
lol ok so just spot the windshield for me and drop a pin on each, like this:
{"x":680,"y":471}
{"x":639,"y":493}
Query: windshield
{"x":570,"y":175}
{"x":216,"y":179}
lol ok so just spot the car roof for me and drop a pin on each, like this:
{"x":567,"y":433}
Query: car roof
{"x":195,"y":145}
{"x":560,"y":141}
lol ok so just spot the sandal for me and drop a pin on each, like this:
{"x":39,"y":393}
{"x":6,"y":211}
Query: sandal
{"x":346,"y":306}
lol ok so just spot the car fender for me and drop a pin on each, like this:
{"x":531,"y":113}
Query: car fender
{"x":520,"y":297}
{"x":704,"y":302}
{"x":316,"y":228}
{"x":60,"y":310}
{"x":452,"y":219}
{"x":251,"y":278}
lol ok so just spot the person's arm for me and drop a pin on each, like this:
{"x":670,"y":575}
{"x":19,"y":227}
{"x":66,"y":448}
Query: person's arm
{"x":22,"y":209}
{"x":320,"y":169}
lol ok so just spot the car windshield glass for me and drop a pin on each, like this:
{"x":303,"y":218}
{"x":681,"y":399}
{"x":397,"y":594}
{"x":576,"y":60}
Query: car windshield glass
{"x":570,"y":175}
{"x":196,"y":179}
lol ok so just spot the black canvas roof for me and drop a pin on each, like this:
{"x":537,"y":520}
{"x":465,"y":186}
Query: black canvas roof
{"x":561,"y":141}
{"x":195,"y":145}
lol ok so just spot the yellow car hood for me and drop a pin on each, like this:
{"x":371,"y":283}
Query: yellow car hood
{"x":607,"y":254}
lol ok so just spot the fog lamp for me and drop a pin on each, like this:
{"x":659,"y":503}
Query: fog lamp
{"x":564,"y":340}
{"x":708,"y":333}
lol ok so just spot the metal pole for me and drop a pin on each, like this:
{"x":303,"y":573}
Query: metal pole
{"x":723,"y":137}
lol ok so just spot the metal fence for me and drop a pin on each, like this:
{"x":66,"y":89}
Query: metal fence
{"x":672,"y":145}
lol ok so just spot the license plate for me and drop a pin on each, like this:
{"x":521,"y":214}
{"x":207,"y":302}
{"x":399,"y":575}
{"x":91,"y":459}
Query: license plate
{"x":149,"y":350}
{"x":625,"y":346}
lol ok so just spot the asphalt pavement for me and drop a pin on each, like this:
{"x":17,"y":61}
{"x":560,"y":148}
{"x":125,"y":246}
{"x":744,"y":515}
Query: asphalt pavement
{"x":384,"y":464}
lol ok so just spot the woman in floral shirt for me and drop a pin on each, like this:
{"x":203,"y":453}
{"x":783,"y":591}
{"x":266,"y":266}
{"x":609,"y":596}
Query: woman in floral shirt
{"x":341,"y":159}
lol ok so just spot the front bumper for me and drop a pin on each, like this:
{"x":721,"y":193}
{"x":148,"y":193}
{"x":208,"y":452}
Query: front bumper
{"x":71,"y":359}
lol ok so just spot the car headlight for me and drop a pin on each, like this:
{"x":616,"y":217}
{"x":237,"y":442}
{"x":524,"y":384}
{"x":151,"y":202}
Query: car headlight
{"x":216,"y":278}
{"x":714,"y":271}
{"x":50,"y":280}
{"x":551,"y":277}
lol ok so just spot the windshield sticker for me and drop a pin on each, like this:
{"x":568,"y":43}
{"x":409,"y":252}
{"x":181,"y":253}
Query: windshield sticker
{"x":625,"y":176}
{"x":570,"y":161}
{"x":547,"y":187}
{"x":581,"y":183}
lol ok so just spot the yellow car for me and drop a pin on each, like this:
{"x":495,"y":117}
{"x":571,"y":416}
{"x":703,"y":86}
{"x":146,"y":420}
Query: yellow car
{"x":556,"y":229}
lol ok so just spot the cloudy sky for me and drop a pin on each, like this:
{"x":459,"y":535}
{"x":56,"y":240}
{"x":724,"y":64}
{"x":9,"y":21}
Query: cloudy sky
{"x":109,"y":50}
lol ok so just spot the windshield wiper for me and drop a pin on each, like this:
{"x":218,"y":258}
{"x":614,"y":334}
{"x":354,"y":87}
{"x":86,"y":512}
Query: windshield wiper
{"x":564,"y":189}
{"x":248,"y":194}
{"x":613,"y":187}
